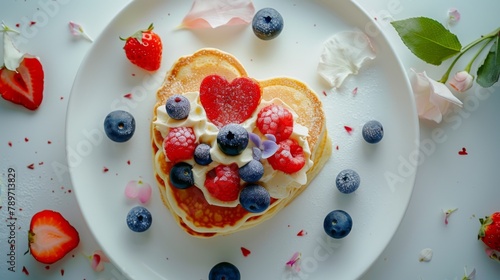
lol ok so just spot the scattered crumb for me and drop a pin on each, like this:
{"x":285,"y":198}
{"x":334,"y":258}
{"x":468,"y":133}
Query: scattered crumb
{"x":31,"y":166}
{"x":348,"y":129}
{"x":105,"y":169}
{"x":463,"y":152}
{"x":245,"y":252}
{"x":26,"y":139}
{"x":128,"y":95}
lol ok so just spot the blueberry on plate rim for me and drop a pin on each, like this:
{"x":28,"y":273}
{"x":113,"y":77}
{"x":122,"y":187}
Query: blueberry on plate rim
{"x":267,"y":23}
{"x":119,"y":126}
{"x":337,"y":224}
{"x":224,"y":271}
{"x":373,"y":131}
{"x":347,"y":181}
{"x":139,"y":219}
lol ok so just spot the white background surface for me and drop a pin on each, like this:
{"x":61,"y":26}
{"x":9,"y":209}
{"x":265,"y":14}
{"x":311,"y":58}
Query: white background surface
{"x":445,"y":179}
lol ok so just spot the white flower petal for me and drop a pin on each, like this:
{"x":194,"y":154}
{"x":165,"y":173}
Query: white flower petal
{"x":425,"y":255}
{"x":432,"y":98}
{"x":12,"y":57}
{"x":343,"y":55}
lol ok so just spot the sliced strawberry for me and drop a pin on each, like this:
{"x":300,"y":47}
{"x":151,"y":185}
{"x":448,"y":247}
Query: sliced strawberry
{"x":24,"y":86}
{"x":51,"y":236}
{"x":223,"y":182}
{"x":226,"y":102}
{"x":289,"y":158}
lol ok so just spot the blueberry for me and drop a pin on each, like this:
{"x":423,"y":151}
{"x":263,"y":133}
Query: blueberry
{"x":337,"y":224}
{"x":232,"y":139}
{"x":347,"y":181}
{"x":202,"y":154}
{"x":255,"y":198}
{"x":252,"y":171}
{"x":224,"y":271}
{"x":178,"y":107}
{"x":139,"y":219}
{"x":373,"y":131}
{"x":119,"y":126}
{"x":181,"y":175}
{"x":267,"y":23}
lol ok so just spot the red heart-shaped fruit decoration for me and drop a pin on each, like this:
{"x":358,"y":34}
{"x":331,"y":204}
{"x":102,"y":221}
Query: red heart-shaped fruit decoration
{"x":225,"y":102}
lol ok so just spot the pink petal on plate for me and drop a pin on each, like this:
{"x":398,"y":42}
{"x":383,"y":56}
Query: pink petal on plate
{"x":215,"y":13}
{"x":132,"y":189}
{"x":145,"y":193}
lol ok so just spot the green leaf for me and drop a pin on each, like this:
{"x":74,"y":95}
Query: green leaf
{"x":489,"y":72}
{"x":428,"y":39}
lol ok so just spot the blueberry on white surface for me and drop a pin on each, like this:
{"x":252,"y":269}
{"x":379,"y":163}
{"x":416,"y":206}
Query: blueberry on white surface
{"x":347,"y":181}
{"x":267,"y":23}
{"x":181,"y":175}
{"x":224,"y":271}
{"x":255,"y":198}
{"x":178,"y":107}
{"x":119,"y":126}
{"x":252,"y":171}
{"x":337,"y":224}
{"x":232,"y":139}
{"x":139,"y":219}
{"x":373,"y":131}
{"x":202,"y":154}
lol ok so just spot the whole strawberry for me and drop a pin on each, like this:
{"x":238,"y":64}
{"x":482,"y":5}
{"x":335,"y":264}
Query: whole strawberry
{"x":144,"y":49}
{"x":489,"y":232}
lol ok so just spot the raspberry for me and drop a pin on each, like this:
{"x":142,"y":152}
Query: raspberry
{"x":223,"y":182}
{"x":275,"y":120}
{"x":180,"y":143}
{"x":289,"y":158}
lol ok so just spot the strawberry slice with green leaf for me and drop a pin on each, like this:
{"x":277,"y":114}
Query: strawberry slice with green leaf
{"x":51,"y":236}
{"x":25,"y":85}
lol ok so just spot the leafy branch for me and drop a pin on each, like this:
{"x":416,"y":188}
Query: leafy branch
{"x":430,"y":41}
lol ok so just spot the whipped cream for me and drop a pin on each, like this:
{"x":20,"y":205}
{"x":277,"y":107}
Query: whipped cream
{"x":276,"y":182}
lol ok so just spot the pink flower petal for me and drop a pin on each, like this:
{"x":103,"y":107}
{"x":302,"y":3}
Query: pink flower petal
{"x":97,"y":261}
{"x":132,"y":189}
{"x":77,"y":30}
{"x":215,"y":13}
{"x":294,"y":261}
{"x":453,"y":16}
{"x":144,"y":193}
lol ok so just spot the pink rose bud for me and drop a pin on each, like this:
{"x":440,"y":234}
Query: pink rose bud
{"x":462,"y":81}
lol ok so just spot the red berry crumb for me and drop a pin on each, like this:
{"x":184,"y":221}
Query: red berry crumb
{"x":31,"y":166}
{"x":348,"y":129}
{"x":245,"y":252}
{"x":302,"y":233}
{"x":128,"y":96}
{"x":25,"y":271}
{"x":105,"y":169}
{"x":289,"y":158}
{"x":223,"y":182}
{"x":463,"y":152}
{"x":10,"y":144}
{"x":180,"y":144}
{"x":275,"y":120}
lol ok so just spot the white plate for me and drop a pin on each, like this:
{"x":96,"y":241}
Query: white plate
{"x":165,"y":251}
